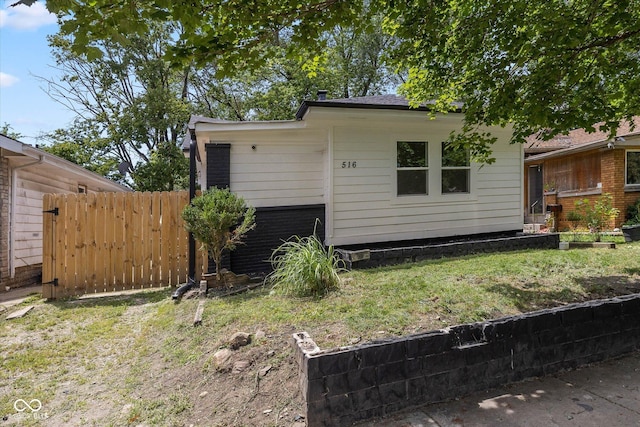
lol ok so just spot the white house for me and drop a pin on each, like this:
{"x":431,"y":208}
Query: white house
{"x":370,"y":169}
{"x":26,"y":174}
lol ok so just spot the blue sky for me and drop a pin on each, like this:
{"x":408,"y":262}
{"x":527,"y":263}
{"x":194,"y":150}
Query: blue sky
{"x":24,"y":54}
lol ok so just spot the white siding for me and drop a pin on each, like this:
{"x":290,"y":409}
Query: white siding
{"x":312,"y":163}
{"x":31,"y":184}
{"x":365,"y":208}
{"x":286,"y":168}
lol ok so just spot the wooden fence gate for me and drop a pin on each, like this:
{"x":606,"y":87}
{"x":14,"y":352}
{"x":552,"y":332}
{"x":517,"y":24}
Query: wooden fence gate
{"x":104,"y":242}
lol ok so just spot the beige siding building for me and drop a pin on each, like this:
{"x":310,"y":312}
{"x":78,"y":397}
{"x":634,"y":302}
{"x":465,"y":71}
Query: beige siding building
{"x":26,"y":174}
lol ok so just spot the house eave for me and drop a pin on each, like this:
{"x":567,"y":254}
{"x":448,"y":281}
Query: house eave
{"x":205,"y":124}
{"x":579,"y":148}
{"x":29,"y":153}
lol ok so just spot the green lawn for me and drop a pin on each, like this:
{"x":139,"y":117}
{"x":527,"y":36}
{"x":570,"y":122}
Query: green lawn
{"x":128,"y":345}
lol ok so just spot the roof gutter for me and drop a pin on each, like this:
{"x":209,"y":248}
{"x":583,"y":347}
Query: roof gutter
{"x":12,"y":214}
{"x":616,"y":141}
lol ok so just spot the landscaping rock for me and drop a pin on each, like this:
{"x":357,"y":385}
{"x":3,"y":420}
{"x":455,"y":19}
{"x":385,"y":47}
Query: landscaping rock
{"x":240,"y":366}
{"x":239,"y":339}
{"x":264,"y":371}
{"x":221,"y":357}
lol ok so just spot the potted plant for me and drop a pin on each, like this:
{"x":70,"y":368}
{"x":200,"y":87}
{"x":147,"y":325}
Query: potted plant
{"x":631,"y":227}
{"x":550,"y":187}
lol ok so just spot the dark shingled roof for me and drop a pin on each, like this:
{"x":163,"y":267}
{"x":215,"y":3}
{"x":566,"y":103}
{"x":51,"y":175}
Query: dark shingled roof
{"x":379,"y":102}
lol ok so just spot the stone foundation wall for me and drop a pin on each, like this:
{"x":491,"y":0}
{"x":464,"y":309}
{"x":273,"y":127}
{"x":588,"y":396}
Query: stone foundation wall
{"x":372,"y":380}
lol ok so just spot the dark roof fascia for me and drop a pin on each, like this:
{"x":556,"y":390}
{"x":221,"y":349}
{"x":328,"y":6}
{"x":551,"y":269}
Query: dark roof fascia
{"x":306,"y":104}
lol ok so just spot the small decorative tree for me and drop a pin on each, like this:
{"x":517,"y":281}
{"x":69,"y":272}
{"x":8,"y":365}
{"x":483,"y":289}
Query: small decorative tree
{"x":219,"y":220}
{"x":598,"y":216}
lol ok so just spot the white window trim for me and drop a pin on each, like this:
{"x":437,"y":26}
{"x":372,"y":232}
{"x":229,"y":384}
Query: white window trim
{"x":448,"y":168}
{"x":425,"y":168}
{"x":435,"y":197}
{"x":626,"y":169}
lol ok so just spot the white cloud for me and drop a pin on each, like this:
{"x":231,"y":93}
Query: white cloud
{"x":7,"y":80}
{"x":23,"y":17}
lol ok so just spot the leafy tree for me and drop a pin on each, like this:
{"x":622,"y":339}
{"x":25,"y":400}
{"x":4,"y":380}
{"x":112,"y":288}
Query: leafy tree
{"x":546,"y":66}
{"x":82,"y":145}
{"x":353,"y":64}
{"x":131,"y":107}
{"x":7,"y":130}
{"x":219,"y":220}
{"x":154,"y":176}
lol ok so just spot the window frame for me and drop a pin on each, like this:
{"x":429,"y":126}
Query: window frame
{"x":413,"y":168}
{"x":626,"y":169}
{"x":444,"y":168}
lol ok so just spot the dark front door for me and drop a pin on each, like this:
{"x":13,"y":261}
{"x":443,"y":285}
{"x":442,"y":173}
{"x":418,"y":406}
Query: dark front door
{"x":535,"y":189}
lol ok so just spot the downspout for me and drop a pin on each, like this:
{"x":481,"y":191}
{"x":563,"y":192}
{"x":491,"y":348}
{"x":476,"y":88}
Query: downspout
{"x":191,"y":283}
{"x":12,"y":214}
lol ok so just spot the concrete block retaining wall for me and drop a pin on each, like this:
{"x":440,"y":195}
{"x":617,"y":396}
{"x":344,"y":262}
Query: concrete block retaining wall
{"x":368,"y":258}
{"x":372,"y":380}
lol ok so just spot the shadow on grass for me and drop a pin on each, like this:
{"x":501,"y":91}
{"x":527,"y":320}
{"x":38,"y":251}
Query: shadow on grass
{"x":609,"y":286}
{"x":129,"y":298}
{"x":632,"y":271}
{"x":531,"y":296}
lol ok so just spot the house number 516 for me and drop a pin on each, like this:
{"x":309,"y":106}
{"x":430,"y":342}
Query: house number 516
{"x":351,"y":164}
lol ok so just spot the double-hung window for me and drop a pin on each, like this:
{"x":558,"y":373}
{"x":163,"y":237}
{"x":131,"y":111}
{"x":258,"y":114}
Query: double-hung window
{"x":633,"y":167}
{"x":456,"y":169}
{"x":412,"y":168}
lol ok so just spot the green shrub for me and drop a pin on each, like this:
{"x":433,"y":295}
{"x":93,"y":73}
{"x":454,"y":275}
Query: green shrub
{"x":574,"y":218}
{"x":302,"y":267}
{"x":598,"y":216}
{"x":633,"y":214}
{"x":219,"y":220}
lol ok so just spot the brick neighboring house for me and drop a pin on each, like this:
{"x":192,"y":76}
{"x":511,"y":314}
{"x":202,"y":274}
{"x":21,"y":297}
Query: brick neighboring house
{"x":26,"y":174}
{"x":578,"y":166}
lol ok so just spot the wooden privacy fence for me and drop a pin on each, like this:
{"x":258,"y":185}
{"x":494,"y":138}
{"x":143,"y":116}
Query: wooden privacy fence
{"x":103,"y":242}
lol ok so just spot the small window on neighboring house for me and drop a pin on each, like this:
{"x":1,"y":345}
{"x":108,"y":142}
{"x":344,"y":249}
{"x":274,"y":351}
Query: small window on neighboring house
{"x":456,"y":169}
{"x":412,"y":168}
{"x":82,"y":189}
{"x":633,"y":167}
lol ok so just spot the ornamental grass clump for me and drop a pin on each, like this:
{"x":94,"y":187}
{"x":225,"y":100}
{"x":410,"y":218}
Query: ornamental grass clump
{"x":302,"y":267}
